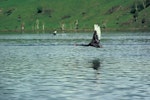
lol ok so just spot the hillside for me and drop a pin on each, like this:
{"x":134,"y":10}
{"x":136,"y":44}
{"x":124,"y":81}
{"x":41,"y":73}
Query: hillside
{"x":49,"y":15}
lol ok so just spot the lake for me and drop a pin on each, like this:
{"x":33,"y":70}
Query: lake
{"x":48,"y":67}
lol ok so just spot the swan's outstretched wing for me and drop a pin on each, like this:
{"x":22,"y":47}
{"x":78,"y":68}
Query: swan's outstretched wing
{"x":98,"y":30}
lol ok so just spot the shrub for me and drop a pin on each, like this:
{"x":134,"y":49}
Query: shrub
{"x":39,"y":10}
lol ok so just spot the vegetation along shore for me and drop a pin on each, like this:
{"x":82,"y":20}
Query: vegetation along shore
{"x":74,"y":15}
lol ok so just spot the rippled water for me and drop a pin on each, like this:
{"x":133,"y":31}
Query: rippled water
{"x":47,"y":67}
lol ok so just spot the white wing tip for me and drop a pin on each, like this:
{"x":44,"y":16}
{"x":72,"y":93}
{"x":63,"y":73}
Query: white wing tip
{"x":98,"y":30}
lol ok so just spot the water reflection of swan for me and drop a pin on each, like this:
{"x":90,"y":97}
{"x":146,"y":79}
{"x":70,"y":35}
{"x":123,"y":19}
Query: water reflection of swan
{"x":96,"y":64}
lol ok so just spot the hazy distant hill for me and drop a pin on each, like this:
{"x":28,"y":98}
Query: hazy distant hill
{"x":74,"y":14}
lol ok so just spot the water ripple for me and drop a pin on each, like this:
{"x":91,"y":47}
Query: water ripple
{"x":47,"y":67}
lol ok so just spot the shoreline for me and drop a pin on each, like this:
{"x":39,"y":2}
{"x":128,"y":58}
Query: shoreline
{"x":78,"y":31}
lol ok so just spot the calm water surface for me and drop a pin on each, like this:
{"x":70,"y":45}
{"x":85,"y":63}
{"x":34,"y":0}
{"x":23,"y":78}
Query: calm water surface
{"x":47,"y":67}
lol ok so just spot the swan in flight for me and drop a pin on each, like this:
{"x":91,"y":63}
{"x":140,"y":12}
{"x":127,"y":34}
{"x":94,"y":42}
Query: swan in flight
{"x":95,"y":42}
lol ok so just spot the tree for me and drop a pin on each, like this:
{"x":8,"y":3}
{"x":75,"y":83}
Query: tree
{"x":135,"y":16}
{"x":147,"y":3}
{"x":144,"y":3}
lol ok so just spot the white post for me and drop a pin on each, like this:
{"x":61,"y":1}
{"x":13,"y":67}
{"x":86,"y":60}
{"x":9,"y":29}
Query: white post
{"x":43,"y":27}
{"x":37,"y":25}
{"x":22,"y":27}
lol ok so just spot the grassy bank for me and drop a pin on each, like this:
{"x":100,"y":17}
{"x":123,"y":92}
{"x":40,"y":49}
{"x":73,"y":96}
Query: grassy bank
{"x":74,"y":15}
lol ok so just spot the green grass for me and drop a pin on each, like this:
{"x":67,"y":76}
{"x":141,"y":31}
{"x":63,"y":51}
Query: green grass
{"x":114,"y":15}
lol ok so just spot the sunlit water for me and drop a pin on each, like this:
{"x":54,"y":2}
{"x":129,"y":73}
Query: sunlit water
{"x":48,"y":67}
